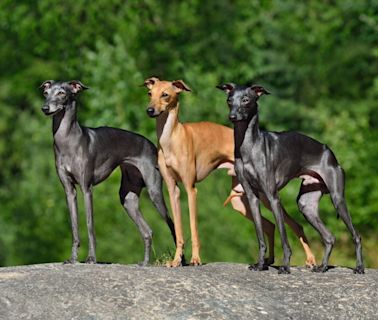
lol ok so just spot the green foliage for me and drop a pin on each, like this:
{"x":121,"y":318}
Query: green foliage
{"x":319,"y":60}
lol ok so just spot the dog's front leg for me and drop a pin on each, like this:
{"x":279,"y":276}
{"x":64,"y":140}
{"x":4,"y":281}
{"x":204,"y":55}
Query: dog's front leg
{"x":70,"y":191}
{"x":174,"y":199}
{"x":278,"y":212}
{"x":254,"y":204}
{"x":192,"y":200}
{"x":298,"y":230}
{"x":87,"y":191}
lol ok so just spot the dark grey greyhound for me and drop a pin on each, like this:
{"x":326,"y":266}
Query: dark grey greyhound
{"x":87,"y":156}
{"x":266,"y":161}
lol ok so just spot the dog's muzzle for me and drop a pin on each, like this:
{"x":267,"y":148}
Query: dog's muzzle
{"x":232,"y":117}
{"x":151,"y":112}
{"x":46,"y":110}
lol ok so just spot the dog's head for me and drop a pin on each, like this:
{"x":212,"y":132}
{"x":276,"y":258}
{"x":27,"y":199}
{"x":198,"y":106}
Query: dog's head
{"x":242,"y":100}
{"x":59,"y":94}
{"x":163,"y":94}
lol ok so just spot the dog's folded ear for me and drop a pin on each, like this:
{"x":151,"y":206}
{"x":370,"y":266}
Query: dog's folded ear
{"x":149,"y":83}
{"x":180,"y":86}
{"x":259,"y":90}
{"x":227,"y":87}
{"x":46,"y":84}
{"x":77,"y":86}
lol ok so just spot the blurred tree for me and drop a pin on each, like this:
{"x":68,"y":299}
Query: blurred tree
{"x":319,"y":60}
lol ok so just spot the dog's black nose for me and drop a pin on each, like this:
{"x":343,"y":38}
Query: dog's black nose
{"x":150,"y":111}
{"x":232,"y":117}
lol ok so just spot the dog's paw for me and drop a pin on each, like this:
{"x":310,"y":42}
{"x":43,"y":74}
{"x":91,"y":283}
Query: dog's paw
{"x":70,"y":261}
{"x":320,"y":268}
{"x":174,"y":263}
{"x":284,"y":270}
{"x":359,"y":270}
{"x":268,"y":261}
{"x":258,"y":267}
{"x":195,"y":262}
{"x":310,"y":262}
{"x":90,"y":260}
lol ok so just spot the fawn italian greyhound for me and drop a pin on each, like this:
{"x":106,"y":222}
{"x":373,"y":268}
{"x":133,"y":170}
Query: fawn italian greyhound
{"x":87,"y":156}
{"x":266,"y":161}
{"x":187,"y":153}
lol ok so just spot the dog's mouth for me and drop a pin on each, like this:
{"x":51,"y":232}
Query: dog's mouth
{"x":51,"y":113}
{"x":153,"y":115}
{"x":237,"y":118}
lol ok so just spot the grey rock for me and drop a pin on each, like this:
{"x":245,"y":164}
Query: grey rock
{"x":212,"y":291}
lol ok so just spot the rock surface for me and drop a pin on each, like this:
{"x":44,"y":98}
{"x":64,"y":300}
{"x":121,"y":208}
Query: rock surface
{"x":213,"y":291}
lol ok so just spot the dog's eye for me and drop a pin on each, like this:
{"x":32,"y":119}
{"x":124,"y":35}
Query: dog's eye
{"x":164,"y":95}
{"x":149,"y":94}
{"x":45,"y":93}
{"x":229,"y":101}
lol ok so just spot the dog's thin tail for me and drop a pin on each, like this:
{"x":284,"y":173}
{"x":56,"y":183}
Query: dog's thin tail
{"x":230,"y":197}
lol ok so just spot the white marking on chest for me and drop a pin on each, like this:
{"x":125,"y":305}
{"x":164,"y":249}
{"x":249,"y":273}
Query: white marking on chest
{"x":166,"y":134}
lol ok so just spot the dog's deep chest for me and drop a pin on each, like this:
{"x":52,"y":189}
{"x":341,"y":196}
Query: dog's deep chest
{"x":172,"y":163}
{"x":254,"y":163}
{"x":248,"y":170}
{"x":70,"y":160}
{"x":173,"y":150}
{"x":252,"y":157}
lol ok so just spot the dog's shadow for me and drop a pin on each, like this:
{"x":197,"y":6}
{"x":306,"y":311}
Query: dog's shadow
{"x":307,"y":268}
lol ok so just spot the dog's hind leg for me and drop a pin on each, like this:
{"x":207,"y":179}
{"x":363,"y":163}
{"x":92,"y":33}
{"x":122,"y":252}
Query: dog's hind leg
{"x":155,"y":191}
{"x":154,"y":185}
{"x":299,"y":232}
{"x":129,"y":192}
{"x":308,"y":204}
{"x":335,"y":182}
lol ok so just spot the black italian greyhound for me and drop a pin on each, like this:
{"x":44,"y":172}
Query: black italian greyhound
{"x":87,"y":156}
{"x":266,"y":161}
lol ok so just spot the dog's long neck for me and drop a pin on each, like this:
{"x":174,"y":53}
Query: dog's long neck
{"x":246,"y":129}
{"x":167,"y":123}
{"x":65,"y":124}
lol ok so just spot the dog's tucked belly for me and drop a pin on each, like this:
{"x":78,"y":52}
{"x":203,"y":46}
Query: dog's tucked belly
{"x":202,"y":172}
{"x":101,"y":173}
